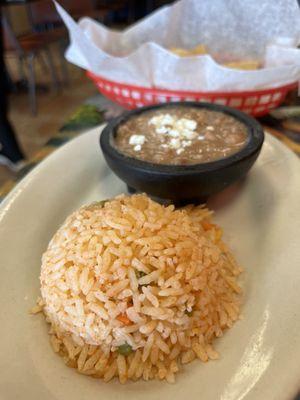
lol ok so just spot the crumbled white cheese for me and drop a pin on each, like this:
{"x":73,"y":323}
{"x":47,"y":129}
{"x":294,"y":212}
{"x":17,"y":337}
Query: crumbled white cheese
{"x":190,"y":124}
{"x":178,"y":132}
{"x":137,"y":147}
{"x":163,"y":119}
{"x":173,"y":133}
{"x":175,"y":143}
{"x":201,"y":137}
{"x":167,"y":119}
{"x":155,"y":120}
{"x":161,"y":130}
{"x":137,"y":139}
{"x":188,"y":134}
{"x":210,"y":128}
{"x":186,"y":143}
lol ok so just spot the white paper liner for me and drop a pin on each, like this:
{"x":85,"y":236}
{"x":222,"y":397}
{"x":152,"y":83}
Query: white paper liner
{"x":238,"y":29}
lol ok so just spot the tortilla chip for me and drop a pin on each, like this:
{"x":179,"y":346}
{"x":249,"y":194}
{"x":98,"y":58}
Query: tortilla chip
{"x":199,"y":50}
{"x":244,"y":65}
{"x":180,"y":52}
{"x":196,"y":51}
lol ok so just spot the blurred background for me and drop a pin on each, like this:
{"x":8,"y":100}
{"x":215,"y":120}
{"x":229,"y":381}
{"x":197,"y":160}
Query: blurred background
{"x":40,"y":91}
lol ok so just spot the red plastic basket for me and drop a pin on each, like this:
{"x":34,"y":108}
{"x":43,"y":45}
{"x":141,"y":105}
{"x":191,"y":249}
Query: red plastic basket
{"x":256,"y":102}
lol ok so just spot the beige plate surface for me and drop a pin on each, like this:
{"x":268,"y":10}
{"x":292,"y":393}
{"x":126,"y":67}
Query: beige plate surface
{"x":260,"y":356}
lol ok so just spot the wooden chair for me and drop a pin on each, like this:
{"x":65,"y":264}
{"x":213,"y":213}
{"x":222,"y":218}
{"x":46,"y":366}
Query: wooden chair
{"x":26,"y":48}
{"x":45,"y":20}
{"x":43,"y":16}
{"x":85,"y":8}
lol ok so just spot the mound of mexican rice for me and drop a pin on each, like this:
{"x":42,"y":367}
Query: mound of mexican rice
{"x":133,"y":289}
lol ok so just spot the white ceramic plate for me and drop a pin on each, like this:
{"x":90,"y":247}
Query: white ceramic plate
{"x":260,"y":355}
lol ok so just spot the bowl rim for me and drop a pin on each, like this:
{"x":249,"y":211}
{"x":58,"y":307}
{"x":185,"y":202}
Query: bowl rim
{"x":254,"y":129}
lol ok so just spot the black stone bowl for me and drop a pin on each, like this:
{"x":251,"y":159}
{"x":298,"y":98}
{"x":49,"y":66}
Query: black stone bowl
{"x":182,"y":183}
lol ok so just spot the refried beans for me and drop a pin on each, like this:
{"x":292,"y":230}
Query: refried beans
{"x":181,"y":136}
